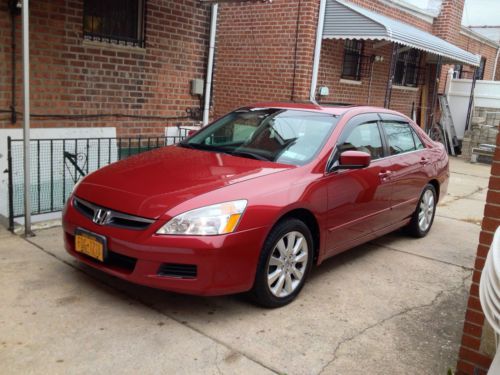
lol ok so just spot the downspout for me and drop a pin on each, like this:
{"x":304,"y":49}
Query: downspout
{"x":14,"y":11}
{"x":210,"y":65}
{"x":496,"y":64}
{"x":26,"y":119}
{"x":317,"y":50}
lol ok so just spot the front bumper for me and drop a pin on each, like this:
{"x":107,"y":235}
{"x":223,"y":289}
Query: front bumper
{"x":224,"y":264}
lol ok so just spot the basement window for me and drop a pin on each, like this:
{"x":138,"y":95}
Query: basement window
{"x":114,"y":21}
{"x":353,"y":52}
{"x":407,"y":67}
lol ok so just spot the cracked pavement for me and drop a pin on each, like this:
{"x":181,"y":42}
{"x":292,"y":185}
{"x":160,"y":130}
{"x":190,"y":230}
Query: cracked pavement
{"x":395,"y":305}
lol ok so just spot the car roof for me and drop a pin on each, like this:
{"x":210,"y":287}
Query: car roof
{"x":334,"y":109}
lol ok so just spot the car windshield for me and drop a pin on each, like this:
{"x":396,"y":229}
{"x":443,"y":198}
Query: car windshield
{"x":278,"y":135}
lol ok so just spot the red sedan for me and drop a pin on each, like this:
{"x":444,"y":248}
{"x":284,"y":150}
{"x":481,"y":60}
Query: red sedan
{"x":252,"y":201}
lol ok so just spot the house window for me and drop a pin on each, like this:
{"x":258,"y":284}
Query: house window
{"x":458,"y":71}
{"x":114,"y":21}
{"x":351,"y":68}
{"x":407,"y":64}
{"x":480,"y":70}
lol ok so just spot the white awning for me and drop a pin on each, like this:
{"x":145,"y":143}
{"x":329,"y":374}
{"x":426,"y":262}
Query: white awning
{"x":344,"y":20}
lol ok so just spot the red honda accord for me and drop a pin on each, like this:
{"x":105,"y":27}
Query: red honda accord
{"x":252,"y":201}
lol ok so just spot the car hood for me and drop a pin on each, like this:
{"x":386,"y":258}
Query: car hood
{"x":149,"y":184}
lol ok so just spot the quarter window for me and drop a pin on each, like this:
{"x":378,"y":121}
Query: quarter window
{"x":114,"y":21}
{"x":365,"y":137}
{"x":351,"y":68}
{"x":400,"y":137}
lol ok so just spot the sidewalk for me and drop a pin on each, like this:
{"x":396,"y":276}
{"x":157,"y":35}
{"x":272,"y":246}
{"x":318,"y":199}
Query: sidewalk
{"x":394,"y":306}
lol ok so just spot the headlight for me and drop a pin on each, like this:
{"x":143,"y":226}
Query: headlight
{"x":211,"y":220}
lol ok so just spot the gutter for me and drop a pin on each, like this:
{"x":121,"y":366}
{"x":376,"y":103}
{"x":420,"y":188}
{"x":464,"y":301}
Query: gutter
{"x":210,"y":64}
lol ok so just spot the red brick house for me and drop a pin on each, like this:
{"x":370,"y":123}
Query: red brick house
{"x":91,"y":57}
{"x":266,"y":51}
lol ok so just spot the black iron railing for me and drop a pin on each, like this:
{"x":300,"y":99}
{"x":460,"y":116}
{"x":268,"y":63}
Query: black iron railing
{"x":57,"y":165}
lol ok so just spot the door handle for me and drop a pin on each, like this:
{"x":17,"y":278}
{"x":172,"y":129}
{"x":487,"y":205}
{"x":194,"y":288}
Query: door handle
{"x":385,"y":175}
{"x":424,"y":161}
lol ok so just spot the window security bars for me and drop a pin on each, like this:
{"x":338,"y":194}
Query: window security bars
{"x":114,"y":21}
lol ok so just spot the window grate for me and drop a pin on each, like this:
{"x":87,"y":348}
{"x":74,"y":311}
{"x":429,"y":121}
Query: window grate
{"x":407,"y":68}
{"x":353,"y":58}
{"x":114,"y":21}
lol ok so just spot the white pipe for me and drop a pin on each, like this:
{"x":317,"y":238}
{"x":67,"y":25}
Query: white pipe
{"x":210,"y":65}
{"x":26,"y":118}
{"x":317,"y":50}
{"x":496,"y":65}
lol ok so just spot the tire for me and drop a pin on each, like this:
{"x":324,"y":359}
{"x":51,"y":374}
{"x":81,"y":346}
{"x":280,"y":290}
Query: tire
{"x":423,"y":217}
{"x":283,"y":268}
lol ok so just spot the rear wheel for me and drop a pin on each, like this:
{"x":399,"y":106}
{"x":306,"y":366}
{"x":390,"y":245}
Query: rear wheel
{"x":284,"y":263}
{"x":423,"y":217}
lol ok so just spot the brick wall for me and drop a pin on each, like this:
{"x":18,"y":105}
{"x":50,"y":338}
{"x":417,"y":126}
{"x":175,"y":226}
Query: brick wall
{"x":256,"y":48}
{"x":447,"y":25}
{"x":73,"y":76}
{"x":256,"y":53}
{"x":474,"y":358}
{"x":479,"y":48}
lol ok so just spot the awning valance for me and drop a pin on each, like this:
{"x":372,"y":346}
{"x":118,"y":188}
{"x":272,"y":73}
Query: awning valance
{"x":344,"y":20}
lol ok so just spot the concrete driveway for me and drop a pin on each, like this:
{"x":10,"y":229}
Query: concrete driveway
{"x":393,"y":306}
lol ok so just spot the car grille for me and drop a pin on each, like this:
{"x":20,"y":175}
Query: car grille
{"x":183,"y":271}
{"x":103,"y":216}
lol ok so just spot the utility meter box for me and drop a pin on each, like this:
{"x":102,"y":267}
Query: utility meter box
{"x":197,"y":86}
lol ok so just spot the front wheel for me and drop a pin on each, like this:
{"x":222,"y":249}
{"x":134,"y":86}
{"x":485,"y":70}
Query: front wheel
{"x":423,"y":217}
{"x":284,"y":263}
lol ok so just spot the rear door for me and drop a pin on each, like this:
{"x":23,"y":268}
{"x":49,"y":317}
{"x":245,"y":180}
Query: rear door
{"x":407,"y":161}
{"x":359,"y":200}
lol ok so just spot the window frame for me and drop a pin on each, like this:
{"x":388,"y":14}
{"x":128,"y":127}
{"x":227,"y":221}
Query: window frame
{"x":139,"y":41}
{"x":356,"y":53}
{"x":405,"y":60}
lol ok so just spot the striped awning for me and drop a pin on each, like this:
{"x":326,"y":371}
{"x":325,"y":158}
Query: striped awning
{"x":344,"y":20}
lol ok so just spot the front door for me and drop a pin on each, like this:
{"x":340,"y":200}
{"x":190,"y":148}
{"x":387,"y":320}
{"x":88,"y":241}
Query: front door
{"x":359,"y":200}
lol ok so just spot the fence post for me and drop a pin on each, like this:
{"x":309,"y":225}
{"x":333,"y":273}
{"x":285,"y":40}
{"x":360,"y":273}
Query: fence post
{"x":10,"y":184}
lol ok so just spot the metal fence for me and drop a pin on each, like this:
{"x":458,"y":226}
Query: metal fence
{"x":57,"y":165}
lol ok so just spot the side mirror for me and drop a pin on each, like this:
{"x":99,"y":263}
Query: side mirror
{"x":354,"y":160}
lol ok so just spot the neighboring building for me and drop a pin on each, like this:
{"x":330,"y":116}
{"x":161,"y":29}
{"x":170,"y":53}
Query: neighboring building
{"x":100,"y":57}
{"x":266,"y":51}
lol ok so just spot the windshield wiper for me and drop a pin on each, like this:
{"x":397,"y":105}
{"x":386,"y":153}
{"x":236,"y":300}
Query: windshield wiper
{"x":248,"y":154}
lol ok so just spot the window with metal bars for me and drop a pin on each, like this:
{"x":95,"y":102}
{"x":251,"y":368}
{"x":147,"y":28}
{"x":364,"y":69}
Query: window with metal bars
{"x":114,"y":21}
{"x":407,"y":68}
{"x":353,"y":52}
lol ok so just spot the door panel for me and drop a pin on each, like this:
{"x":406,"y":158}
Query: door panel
{"x":359,"y":200}
{"x":407,"y":174}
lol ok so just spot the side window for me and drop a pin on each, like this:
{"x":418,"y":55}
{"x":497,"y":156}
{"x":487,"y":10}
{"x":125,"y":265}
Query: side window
{"x":400,"y":137}
{"x":418,"y":143}
{"x":366,"y":138}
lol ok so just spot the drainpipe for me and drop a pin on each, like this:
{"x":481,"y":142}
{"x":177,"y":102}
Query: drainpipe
{"x":496,"y":64}
{"x":14,"y":11}
{"x":317,"y":50}
{"x":210,"y":65}
{"x":26,"y":119}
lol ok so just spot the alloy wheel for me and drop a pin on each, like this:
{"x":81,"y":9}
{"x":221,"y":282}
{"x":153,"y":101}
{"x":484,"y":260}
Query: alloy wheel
{"x":287,"y":264}
{"x":426,"y":211}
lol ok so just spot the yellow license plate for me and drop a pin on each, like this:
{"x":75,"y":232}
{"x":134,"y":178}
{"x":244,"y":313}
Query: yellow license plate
{"x":90,"y":245}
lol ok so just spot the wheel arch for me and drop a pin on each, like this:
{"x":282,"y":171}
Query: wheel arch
{"x":436,"y":185}
{"x":308,"y":218}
